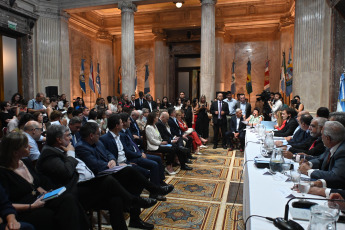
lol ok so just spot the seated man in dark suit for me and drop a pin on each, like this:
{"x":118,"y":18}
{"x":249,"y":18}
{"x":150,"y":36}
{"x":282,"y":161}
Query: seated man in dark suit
{"x":176,"y":142}
{"x":290,"y":126}
{"x":237,"y":130}
{"x":134,"y":128}
{"x":299,"y":135}
{"x":329,"y":167}
{"x":175,"y":130}
{"x":112,"y":143}
{"x":74,"y":126}
{"x":112,"y":192}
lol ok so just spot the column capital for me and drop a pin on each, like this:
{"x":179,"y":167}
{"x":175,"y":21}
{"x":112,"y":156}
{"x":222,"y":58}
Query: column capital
{"x":127,"y":6}
{"x":159,"y":33}
{"x":208,"y":2}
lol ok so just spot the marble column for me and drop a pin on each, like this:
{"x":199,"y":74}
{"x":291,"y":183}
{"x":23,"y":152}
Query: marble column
{"x":51,"y":51}
{"x":127,"y":46}
{"x":219,"y":71}
{"x":160,"y":62}
{"x":312,"y":47}
{"x":207,"y":68}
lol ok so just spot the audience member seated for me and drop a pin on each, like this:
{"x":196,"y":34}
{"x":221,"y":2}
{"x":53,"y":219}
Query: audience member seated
{"x":165,"y":103}
{"x":6,"y":113}
{"x":322,"y":112}
{"x":140,"y":101}
{"x":52,"y":106}
{"x":197,"y":143}
{"x":338,"y":116}
{"x":8,"y":214}
{"x":255,"y":118}
{"x":56,"y":118}
{"x":85,"y":117}
{"x":134,"y":128}
{"x":237,"y":130}
{"x":330,"y":166}
{"x":112,"y":143}
{"x":137,"y":156}
{"x":59,"y":163}
{"x":36,"y":104}
{"x":24,"y":186}
{"x":74,"y":126}
{"x":291,"y":124}
{"x":143,"y":119}
{"x":33,"y":132}
{"x":13,"y":124}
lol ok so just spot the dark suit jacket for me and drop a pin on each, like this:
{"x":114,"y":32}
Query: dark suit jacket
{"x":233,"y":125}
{"x":77,"y":136}
{"x":96,"y":157}
{"x":165,"y":134}
{"x":134,"y":128}
{"x":128,"y":147}
{"x":299,"y":137}
{"x":174,"y":128}
{"x":288,"y":129}
{"x":60,"y":168}
{"x":248,"y":108}
{"x":109,"y":143}
{"x":214,"y":108}
{"x":137,"y":104}
{"x":333,"y":172}
{"x":153,"y":104}
{"x":304,"y":147}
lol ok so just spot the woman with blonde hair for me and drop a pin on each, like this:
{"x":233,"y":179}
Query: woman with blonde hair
{"x":280,"y":121}
{"x":197,"y":144}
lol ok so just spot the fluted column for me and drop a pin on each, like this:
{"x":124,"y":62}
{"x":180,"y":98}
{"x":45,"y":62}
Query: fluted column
{"x":207,"y":69}
{"x":127,"y":46}
{"x":219,"y":71}
{"x":312,"y":46}
{"x":160,"y":62}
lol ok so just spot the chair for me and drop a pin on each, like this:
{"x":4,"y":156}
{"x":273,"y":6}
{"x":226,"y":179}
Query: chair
{"x":99,"y":218}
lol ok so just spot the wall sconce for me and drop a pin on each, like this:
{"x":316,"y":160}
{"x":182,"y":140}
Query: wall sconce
{"x":179,"y":4}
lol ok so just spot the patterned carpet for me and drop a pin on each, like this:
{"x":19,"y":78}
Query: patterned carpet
{"x":203,"y":198}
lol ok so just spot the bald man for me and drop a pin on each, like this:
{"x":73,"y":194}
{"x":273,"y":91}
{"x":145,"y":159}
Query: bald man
{"x":33,"y":131}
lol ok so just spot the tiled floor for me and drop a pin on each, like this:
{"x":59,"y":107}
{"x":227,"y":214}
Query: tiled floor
{"x":204,"y":198}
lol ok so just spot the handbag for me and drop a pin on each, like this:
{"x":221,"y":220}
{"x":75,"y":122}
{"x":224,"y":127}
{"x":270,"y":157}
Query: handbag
{"x":189,"y":131}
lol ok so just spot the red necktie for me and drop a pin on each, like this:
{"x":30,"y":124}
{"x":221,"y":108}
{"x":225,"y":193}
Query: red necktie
{"x":313,"y":145}
{"x":329,"y":157}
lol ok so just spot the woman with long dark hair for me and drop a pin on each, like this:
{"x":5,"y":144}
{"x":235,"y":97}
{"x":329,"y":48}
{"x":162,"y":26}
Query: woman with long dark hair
{"x":155,"y":142}
{"x":202,"y":122}
{"x":165,"y":103}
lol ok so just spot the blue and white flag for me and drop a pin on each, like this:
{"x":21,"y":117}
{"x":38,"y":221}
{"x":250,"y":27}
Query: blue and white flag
{"x":98,"y":80}
{"x":289,"y":74}
{"x":147,"y":83}
{"x":82,"y":76}
{"x":91,"y":79}
{"x":341,"y":97}
{"x":233,"y":79}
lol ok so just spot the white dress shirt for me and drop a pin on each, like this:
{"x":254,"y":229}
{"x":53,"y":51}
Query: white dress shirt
{"x":121,"y":153}
{"x":84,"y":172}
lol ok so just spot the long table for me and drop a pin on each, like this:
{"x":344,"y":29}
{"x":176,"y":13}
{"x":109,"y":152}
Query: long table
{"x":262,"y":194}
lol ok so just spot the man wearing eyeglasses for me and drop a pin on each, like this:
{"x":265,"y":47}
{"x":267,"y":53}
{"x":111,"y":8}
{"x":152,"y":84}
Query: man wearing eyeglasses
{"x":33,"y":131}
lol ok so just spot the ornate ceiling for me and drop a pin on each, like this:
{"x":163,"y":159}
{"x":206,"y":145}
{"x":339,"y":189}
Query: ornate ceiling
{"x":234,"y":17}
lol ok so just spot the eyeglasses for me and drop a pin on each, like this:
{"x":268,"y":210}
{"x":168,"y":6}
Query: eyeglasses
{"x":38,"y":129}
{"x":313,"y":126}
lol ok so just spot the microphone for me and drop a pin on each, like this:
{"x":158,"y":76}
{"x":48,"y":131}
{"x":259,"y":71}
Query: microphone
{"x":285,"y":223}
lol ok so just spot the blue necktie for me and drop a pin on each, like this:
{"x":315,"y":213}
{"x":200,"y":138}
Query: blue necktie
{"x":134,"y":144}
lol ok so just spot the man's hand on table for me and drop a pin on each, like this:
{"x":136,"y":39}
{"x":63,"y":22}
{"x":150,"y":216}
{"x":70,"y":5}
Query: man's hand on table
{"x":304,"y":167}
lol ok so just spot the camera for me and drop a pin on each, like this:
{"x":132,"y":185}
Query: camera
{"x":293,"y":101}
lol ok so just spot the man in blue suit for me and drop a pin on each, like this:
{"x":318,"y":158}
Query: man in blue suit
{"x":93,"y":153}
{"x":74,"y":126}
{"x":136,"y":155}
{"x":112,"y":143}
{"x":134,"y":128}
{"x":329,"y":167}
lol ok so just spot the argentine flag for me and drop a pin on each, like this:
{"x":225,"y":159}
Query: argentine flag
{"x":341,"y":98}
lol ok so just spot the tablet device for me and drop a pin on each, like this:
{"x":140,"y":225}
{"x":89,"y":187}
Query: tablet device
{"x":53,"y":194}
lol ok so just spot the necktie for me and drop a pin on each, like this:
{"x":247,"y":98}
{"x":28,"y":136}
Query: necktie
{"x":74,"y":140}
{"x":134,"y":145}
{"x":219,"y":109}
{"x":329,"y":157}
{"x":313,"y":145}
{"x":141,"y":101}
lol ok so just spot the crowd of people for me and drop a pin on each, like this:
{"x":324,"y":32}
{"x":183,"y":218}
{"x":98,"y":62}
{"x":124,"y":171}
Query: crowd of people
{"x":106,"y":155}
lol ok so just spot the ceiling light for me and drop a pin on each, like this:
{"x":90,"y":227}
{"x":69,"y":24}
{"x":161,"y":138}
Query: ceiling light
{"x":179,"y":4}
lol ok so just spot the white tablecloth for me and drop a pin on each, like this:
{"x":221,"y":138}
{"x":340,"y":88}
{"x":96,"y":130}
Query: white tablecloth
{"x":262,"y":195}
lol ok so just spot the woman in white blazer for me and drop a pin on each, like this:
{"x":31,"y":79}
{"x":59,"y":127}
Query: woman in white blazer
{"x":156,"y":144}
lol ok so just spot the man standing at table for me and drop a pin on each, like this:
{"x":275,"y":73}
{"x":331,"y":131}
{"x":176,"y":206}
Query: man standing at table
{"x":244,"y":106}
{"x":219,"y":110}
{"x":329,"y":167}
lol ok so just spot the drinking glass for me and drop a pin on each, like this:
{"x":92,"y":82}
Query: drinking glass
{"x":304,"y":186}
{"x":286,"y":167}
{"x":295,"y":178}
